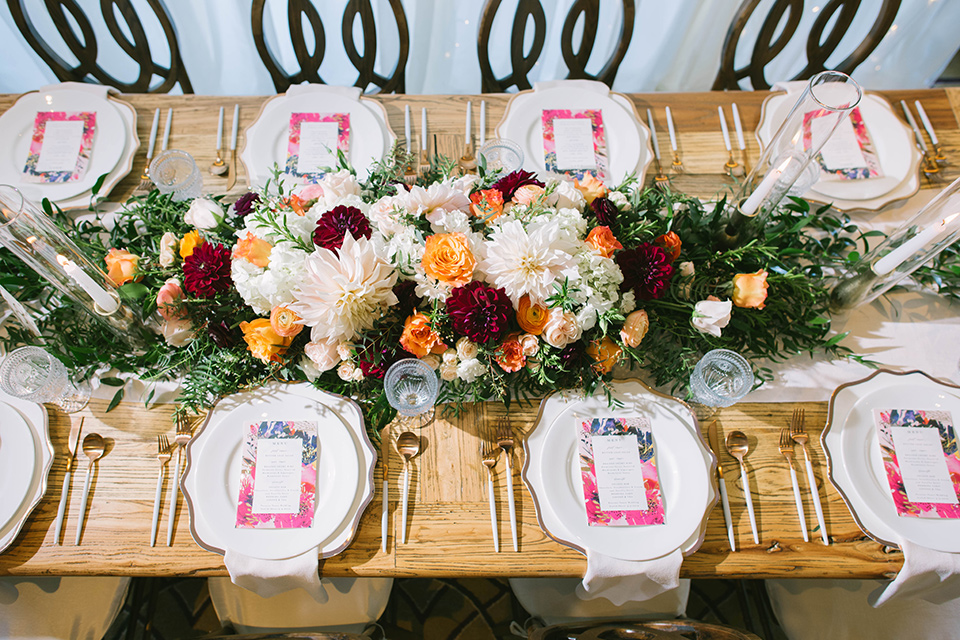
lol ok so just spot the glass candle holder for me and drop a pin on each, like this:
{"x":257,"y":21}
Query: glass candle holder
{"x":721,"y":378}
{"x":34,"y":375}
{"x":915,"y":242}
{"x":411,"y":386}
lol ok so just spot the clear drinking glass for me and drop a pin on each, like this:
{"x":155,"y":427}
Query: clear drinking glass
{"x":502,"y":154}
{"x":176,"y":172}
{"x":411,"y":386}
{"x":721,"y":378}
{"x":33,"y":374}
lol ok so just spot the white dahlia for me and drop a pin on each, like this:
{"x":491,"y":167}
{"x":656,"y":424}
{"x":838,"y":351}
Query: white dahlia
{"x":434,"y":200}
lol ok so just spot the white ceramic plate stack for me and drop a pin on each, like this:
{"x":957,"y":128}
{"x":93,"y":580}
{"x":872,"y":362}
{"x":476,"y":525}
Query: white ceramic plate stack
{"x":115,"y":141}
{"x":856,"y":465}
{"x":685,"y":467}
{"x":26,"y":456}
{"x":898,"y":156}
{"x":211,"y":482}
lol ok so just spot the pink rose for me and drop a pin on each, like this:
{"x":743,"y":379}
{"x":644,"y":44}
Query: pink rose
{"x":323,"y":353}
{"x":168,"y":300}
{"x":310,"y":192}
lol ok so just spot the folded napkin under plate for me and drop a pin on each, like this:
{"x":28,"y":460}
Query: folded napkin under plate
{"x":621,"y":581}
{"x":930,"y":575}
{"x":267,"y":578}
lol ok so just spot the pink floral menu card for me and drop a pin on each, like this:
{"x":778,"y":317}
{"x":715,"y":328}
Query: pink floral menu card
{"x":849,"y":153}
{"x":574,"y":143}
{"x":60,"y":146}
{"x":278,"y":475}
{"x":618,"y":466}
{"x":920,"y":457}
{"x":314,"y":141}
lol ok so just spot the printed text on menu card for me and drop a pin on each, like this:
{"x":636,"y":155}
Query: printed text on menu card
{"x":60,"y":147}
{"x":314,"y":141}
{"x":618,"y":466}
{"x":574,"y":143}
{"x":921,"y":460}
{"x":849,"y":153}
{"x":278,"y":475}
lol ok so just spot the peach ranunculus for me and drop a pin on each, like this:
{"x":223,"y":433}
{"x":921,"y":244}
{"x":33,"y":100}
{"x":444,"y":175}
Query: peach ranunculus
{"x":190,"y":242}
{"x":750,"y":289}
{"x":121,"y":266}
{"x":532,"y":317}
{"x":603,"y":240}
{"x":254,"y":250}
{"x":510,"y":354}
{"x":285,"y":322}
{"x":169,"y":298}
{"x":605,"y":353}
{"x":591,"y":188}
{"x":263,"y":342}
{"x":487,"y":205}
{"x":419,"y":338}
{"x":447,"y":257}
{"x":635,"y":328}
{"x":528,"y":194}
{"x":670,"y":243}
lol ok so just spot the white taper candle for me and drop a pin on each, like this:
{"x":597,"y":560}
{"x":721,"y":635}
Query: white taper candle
{"x":766,"y":185}
{"x":901,"y":254}
{"x":738,"y":126}
{"x":236,"y":127}
{"x":723,"y":127}
{"x":466,"y":135}
{"x":673,"y":132}
{"x":926,"y":122}
{"x":406,"y":126}
{"x":653,"y":135}
{"x":423,"y":130}
{"x":220,"y":130}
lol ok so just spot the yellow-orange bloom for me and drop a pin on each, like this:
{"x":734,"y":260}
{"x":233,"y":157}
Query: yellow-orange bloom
{"x":532,"y":318}
{"x":121,"y":266}
{"x":253,"y":250}
{"x":591,"y":188}
{"x":487,"y":205}
{"x":750,"y":289}
{"x":447,"y":257}
{"x":263,"y":342}
{"x":419,"y":338}
{"x":605,"y":353}
{"x":285,"y":323}
{"x":635,"y":328}
{"x":670,"y":243}
{"x":510,"y":355}
{"x":603,"y":240}
{"x":190,"y":242}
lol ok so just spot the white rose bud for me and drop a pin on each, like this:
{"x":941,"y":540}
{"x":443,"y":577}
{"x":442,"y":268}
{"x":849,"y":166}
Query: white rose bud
{"x":529,"y":344}
{"x":357,"y":375}
{"x":431,"y":361}
{"x":344,"y":350}
{"x":169,"y":242}
{"x":566,"y":196}
{"x":686,"y":269}
{"x":710,"y":316}
{"x":561,"y":328}
{"x":204,"y":214}
{"x":346,"y":370}
{"x":470,"y":370}
{"x":619,"y":199}
{"x":467,"y":350}
{"x":450,"y":356}
{"x":448,"y":371}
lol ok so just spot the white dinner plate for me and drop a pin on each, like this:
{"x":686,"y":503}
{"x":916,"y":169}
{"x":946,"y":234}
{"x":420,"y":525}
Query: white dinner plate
{"x":16,"y":132}
{"x":26,"y":456}
{"x":684,"y":466}
{"x":627,"y":138}
{"x":855,"y":463}
{"x":344,"y":472}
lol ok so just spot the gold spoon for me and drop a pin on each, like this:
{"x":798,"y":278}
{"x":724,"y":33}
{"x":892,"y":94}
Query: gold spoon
{"x":737,"y":446}
{"x":93,"y":448}
{"x":408,"y":444}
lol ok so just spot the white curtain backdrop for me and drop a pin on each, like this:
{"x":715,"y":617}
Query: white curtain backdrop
{"x":676,"y":45}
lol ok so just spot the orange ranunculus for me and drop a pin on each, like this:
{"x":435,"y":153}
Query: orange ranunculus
{"x":487,"y":205}
{"x":528,"y":194}
{"x":285,"y":322}
{"x":603,"y":240}
{"x":190,"y":242}
{"x":591,"y":188}
{"x":296,"y":204}
{"x":635,"y":328}
{"x":750,"y":289}
{"x":263,"y":342}
{"x":510,"y":354}
{"x":532,"y":318}
{"x":253,"y":250}
{"x":419,"y":338}
{"x":447,"y":257}
{"x":605,"y":353}
{"x":121,"y":266}
{"x":671,"y":244}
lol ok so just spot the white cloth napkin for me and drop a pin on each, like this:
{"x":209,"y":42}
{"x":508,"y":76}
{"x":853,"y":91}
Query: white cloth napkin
{"x":267,"y":578}
{"x":101,"y":90}
{"x":305,"y":87}
{"x":930,"y":575}
{"x":573,"y":85}
{"x":621,"y":581}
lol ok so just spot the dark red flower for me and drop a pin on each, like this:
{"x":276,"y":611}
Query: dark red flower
{"x":646,"y":269}
{"x":606,"y":212}
{"x":571,"y":356}
{"x":334,"y":224}
{"x":508,"y":184}
{"x":206,"y":271}
{"x":408,"y":300}
{"x":221,"y":334}
{"x":479,"y":312}
{"x":244,"y":204}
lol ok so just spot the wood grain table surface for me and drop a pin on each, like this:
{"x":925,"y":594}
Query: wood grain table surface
{"x":449,"y":527}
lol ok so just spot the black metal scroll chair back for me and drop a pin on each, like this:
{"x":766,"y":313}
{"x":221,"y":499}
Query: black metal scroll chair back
{"x":310,"y":62}
{"x":647,"y":630}
{"x":522,"y":63}
{"x":84,"y":46}
{"x":819,"y":45}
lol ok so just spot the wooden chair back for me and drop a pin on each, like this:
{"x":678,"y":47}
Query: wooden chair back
{"x":646,"y":630}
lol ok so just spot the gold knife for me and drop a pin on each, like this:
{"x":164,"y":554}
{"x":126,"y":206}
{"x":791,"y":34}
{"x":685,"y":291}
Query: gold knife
{"x":232,"y":177}
{"x":75,"y":428}
{"x":715,"y":445}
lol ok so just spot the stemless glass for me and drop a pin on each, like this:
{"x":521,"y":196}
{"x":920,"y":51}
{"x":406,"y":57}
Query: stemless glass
{"x":176,"y":172}
{"x":502,"y":154}
{"x":411,"y":386}
{"x":721,"y":378}
{"x":33,"y":374}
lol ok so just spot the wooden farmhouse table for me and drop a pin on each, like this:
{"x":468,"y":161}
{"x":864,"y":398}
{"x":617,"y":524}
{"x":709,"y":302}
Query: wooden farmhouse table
{"x":449,"y":528}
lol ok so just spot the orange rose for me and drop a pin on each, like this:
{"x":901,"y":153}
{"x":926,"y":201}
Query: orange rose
{"x":447,"y":258}
{"x":296,"y":204}
{"x":750,"y":289}
{"x":603,"y":240}
{"x":591,"y":188}
{"x":419,"y":338}
{"x":121,"y":266}
{"x":532,"y":318}
{"x":510,"y":354}
{"x":635,"y":328}
{"x":487,"y":205}
{"x":670,"y":242}
{"x":190,"y":242}
{"x":605,"y":353}
{"x":263,"y":342}
{"x":284,"y":322}
{"x":253,"y":250}
{"x":528,"y":194}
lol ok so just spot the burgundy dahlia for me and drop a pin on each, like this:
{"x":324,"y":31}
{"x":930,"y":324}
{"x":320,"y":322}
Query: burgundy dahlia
{"x":407,"y":298}
{"x":244,"y":204}
{"x":508,"y":184}
{"x":479,"y":312}
{"x":206,"y":271}
{"x":221,"y":334}
{"x":334,"y":224}
{"x":646,"y":269}
{"x":606,"y":212}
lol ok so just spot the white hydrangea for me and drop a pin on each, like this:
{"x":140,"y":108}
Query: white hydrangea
{"x":264,"y":288}
{"x":470,"y":370}
{"x":403,"y":250}
{"x":326,"y":204}
{"x":598,"y":288}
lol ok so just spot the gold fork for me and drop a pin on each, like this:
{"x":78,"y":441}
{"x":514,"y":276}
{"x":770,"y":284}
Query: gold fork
{"x":786,"y":448}
{"x":490,"y":456}
{"x":145,"y":182}
{"x":163,"y":457}
{"x":505,"y":442}
{"x":799,"y":435}
{"x":184,"y":432}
